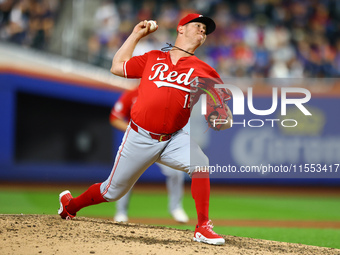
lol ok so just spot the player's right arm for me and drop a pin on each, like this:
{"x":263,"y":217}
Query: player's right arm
{"x":126,"y":50}
{"x":119,"y":124}
{"x":120,"y":112}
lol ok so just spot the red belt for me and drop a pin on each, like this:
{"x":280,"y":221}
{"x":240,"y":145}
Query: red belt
{"x":158,"y":137}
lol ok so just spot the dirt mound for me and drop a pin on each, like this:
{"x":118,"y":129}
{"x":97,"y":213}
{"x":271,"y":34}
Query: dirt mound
{"x":48,"y":234}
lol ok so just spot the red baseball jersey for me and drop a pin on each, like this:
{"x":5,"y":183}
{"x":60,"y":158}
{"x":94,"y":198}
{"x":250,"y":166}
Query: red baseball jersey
{"x":122,"y":108}
{"x":163,"y":103}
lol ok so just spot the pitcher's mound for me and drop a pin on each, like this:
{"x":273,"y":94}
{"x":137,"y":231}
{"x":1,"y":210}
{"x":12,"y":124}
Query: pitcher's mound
{"x":48,"y":234}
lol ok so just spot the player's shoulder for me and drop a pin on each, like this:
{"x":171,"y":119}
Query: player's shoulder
{"x":202,"y":63}
{"x":156,"y":53}
{"x":149,"y":53}
{"x":154,"y":56}
{"x":206,"y":68}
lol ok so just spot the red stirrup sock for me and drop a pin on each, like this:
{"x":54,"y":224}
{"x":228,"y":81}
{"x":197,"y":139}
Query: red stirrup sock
{"x":200,"y":191}
{"x":91,"y":196}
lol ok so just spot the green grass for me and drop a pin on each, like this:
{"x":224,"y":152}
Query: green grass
{"x":276,"y":208}
{"x":154,"y":205}
{"x":143,"y":204}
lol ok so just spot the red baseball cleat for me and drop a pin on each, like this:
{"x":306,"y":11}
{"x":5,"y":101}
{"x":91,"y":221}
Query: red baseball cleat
{"x":205,"y":234}
{"x":64,"y":200}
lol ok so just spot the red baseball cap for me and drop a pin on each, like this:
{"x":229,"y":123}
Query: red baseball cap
{"x":194,"y":17}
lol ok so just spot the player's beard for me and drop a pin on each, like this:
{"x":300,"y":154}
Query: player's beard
{"x":195,"y":38}
{"x":203,"y":39}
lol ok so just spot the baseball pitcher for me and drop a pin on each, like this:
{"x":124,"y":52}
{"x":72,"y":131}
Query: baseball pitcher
{"x":160,"y":112}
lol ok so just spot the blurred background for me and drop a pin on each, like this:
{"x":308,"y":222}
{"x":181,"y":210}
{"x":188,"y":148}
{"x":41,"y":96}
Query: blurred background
{"x":266,"y":38}
{"x":56,"y":89}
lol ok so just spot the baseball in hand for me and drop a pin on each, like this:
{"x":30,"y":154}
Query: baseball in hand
{"x":153,"y":25}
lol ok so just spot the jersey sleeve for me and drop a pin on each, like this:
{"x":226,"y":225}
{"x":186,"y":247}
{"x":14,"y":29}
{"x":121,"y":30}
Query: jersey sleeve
{"x":134,"y":67}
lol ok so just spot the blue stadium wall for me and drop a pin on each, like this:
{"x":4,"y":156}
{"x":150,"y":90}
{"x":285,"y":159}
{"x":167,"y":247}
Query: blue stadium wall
{"x":39,"y":120}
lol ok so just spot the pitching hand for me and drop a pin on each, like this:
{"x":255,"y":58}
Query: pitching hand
{"x":143,"y":29}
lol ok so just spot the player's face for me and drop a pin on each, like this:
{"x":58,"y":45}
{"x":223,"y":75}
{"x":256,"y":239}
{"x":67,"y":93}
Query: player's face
{"x":197,"y":30}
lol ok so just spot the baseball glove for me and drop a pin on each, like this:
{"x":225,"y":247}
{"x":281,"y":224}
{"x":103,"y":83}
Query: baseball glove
{"x":217,"y":108}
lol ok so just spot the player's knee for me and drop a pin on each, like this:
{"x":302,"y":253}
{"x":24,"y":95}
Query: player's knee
{"x":201,"y":168}
{"x":113,"y":196}
{"x":203,"y":162}
{"x":200,"y":172}
{"x":110,"y":198}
